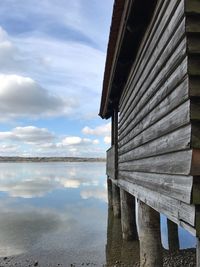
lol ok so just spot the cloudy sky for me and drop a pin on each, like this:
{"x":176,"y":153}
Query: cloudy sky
{"x":52,"y":56}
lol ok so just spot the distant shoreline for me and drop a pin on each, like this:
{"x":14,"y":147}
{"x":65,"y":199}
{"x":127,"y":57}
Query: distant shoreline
{"x":50,"y":159}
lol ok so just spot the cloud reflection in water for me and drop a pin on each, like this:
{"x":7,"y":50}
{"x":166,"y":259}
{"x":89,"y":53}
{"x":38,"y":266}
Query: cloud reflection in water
{"x":52,"y":207}
{"x":30,"y":182}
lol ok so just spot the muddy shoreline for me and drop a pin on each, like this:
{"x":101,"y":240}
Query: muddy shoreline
{"x":182,"y":258}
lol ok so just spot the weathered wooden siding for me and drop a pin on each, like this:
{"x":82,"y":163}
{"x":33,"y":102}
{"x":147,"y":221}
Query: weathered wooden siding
{"x":159,"y":114}
{"x":111,"y":163}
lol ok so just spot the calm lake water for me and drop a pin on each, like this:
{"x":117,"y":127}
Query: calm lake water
{"x":56,"y":213}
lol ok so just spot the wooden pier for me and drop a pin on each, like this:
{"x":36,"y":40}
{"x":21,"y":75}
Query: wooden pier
{"x":151,"y":92}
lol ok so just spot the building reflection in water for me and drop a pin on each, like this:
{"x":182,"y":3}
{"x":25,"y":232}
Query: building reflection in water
{"x":118,"y":250}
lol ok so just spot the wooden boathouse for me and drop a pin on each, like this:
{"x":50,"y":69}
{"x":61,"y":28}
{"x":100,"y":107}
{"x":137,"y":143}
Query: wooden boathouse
{"x":151,"y":92}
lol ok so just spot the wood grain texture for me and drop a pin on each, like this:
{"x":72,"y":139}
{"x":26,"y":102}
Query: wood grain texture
{"x":156,"y":41}
{"x":174,"y":141}
{"x":197,"y":220}
{"x":179,"y":212}
{"x":150,"y":236}
{"x":193,"y":44}
{"x":173,"y":240}
{"x":171,"y":163}
{"x":196,"y":190}
{"x":193,"y":24}
{"x":158,"y":91}
{"x":193,"y":64}
{"x":198,"y":252}
{"x":192,"y":7}
{"x":110,"y":163}
{"x":194,"y":86}
{"x":180,"y":187}
{"x":195,"y":165}
{"x":157,"y":71}
{"x":128,"y":216}
{"x":159,"y":122}
{"x":177,"y":118}
{"x":116,"y":200}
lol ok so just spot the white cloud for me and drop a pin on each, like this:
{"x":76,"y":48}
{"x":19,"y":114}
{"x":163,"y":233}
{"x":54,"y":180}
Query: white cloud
{"x":18,"y":224}
{"x":70,"y":183}
{"x":107,"y":140}
{"x":7,"y":50}
{"x":96,"y":142}
{"x":98,"y":193}
{"x":72,"y":140}
{"x":28,"y":134}
{"x":71,"y":69}
{"x":35,"y":141}
{"x":76,"y":140}
{"x":52,"y":65}
{"x":38,"y":182}
{"x":102,"y":130}
{"x":6,"y":149}
{"x":88,"y":18}
{"x":22,"y":96}
{"x":28,"y":188}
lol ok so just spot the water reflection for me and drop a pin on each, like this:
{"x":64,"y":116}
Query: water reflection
{"x":53,"y":209}
{"x":20,"y":230}
{"x":126,"y":253}
{"x":57,"y":213}
{"x":185,"y":239}
{"x":36,"y":180}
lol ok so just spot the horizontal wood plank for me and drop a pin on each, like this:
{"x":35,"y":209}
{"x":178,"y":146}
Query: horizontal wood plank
{"x":167,"y":75}
{"x":175,"y":186}
{"x":195,"y":165}
{"x":193,"y":24}
{"x":195,"y":138}
{"x":195,"y":110}
{"x":197,"y":220}
{"x":196,"y":190}
{"x":174,"y":209}
{"x":172,"y":205}
{"x":110,"y":163}
{"x":193,"y":65}
{"x":173,"y":120}
{"x":148,"y":37}
{"x":172,"y":163}
{"x":171,"y":102}
{"x":193,"y":44}
{"x":150,"y":57}
{"x":194,"y":86}
{"x":192,"y":6}
{"x":174,"y":141}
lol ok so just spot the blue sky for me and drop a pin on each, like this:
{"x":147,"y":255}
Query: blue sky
{"x":52,"y":56}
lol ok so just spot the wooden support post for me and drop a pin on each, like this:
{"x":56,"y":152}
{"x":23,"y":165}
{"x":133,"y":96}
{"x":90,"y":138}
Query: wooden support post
{"x":198,"y":252}
{"x":109,"y":188}
{"x":116,"y":200}
{"x":173,"y":239}
{"x":128,"y":217}
{"x":150,"y":237}
{"x":114,"y":239}
{"x":109,"y":236}
{"x":130,"y":253}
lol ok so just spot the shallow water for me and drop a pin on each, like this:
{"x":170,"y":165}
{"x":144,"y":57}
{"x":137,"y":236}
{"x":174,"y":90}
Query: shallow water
{"x":56,"y":213}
